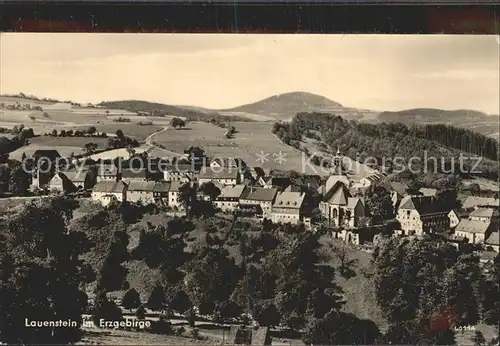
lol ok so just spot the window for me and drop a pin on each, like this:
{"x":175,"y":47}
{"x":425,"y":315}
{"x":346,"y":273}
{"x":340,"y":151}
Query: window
{"x":408,"y":213}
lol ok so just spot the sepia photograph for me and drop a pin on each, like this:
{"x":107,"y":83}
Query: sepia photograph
{"x":307,"y":189}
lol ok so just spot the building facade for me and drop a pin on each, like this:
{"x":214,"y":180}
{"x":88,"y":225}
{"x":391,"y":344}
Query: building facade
{"x":422,"y":215}
{"x":108,"y":191}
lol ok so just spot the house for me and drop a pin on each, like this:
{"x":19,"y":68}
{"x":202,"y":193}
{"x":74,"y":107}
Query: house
{"x":40,"y":180}
{"x":493,"y":241}
{"x":454,"y":218}
{"x":340,"y":208}
{"x":49,"y":155}
{"x":231,"y":162}
{"x":108,"y":191}
{"x":256,"y":172}
{"x":260,"y":196}
{"x":61,"y":183}
{"x":473,"y":202}
{"x":141,"y":191}
{"x":288,"y":208}
{"x":422,"y":214}
{"x":179,"y":172}
{"x":428,"y":192}
{"x":250,"y":210}
{"x":107,"y":173}
{"x":223,"y":177}
{"x":229,"y":198}
{"x":268,"y":182}
{"x":338,"y":176}
{"x":370,"y":180}
{"x":160,"y":192}
{"x":80,"y":178}
{"x":479,"y":226}
{"x":133,"y":175}
{"x":173,"y":194}
{"x":398,"y":191}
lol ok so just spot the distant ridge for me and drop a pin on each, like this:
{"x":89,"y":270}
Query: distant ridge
{"x":285,"y":106}
{"x":470,"y":119}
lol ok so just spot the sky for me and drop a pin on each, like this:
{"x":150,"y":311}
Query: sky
{"x":379,"y":72}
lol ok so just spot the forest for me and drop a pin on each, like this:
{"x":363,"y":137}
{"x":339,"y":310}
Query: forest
{"x":362,"y":140}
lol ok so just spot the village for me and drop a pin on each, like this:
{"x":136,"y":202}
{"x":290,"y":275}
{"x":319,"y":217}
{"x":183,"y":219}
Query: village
{"x":336,"y":205}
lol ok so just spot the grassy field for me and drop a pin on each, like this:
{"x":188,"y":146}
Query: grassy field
{"x":251,"y":138}
{"x":129,"y":129}
{"x":64,"y":145}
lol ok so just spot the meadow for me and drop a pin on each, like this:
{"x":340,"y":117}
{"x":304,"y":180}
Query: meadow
{"x":248,"y":142}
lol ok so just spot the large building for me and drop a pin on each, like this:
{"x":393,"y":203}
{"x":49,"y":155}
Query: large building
{"x":142,"y":191}
{"x":422,"y":215}
{"x":288,"y":207}
{"x":160,"y":192}
{"x":223,"y":176}
{"x":179,"y":172}
{"x":229,"y":198}
{"x":109,"y":191}
{"x":263,"y":197}
{"x":479,"y":226}
{"x":340,"y":208}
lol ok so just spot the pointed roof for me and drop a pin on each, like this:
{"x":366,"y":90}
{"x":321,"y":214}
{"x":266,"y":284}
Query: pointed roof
{"x":338,"y":194}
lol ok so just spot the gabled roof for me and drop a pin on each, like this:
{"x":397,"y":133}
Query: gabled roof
{"x":258,"y":170}
{"x":141,"y":186}
{"x":280,"y":182}
{"x":473,"y":226}
{"x":230,"y":162}
{"x":398,"y":187}
{"x":428,"y":192}
{"x":175,"y":186}
{"x":352,"y":202}
{"x":232,"y":191}
{"x":110,"y":186}
{"x":76,"y":175}
{"x":209,"y":173}
{"x":338,"y":194}
{"x":162,"y":186}
{"x":293,"y":200}
{"x":179,"y":168}
{"x":333,"y":179}
{"x":260,"y":194}
{"x":46,"y":153}
{"x":493,"y":239}
{"x":484,"y":212}
{"x":473,"y":201}
{"x":423,"y":204}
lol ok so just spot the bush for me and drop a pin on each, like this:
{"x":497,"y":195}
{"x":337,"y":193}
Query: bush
{"x":162,"y":326}
{"x":179,"y":331}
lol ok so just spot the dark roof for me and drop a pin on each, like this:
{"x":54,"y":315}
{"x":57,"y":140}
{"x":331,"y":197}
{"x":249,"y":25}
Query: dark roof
{"x":104,"y":170}
{"x":209,"y":173}
{"x":110,"y":186}
{"x":260,"y":194}
{"x":162,"y":186}
{"x":338,"y":194}
{"x":141,"y":186}
{"x":258,"y":170}
{"x":280,"y":182}
{"x":424,"y":205}
{"x":46,"y":153}
{"x":178,"y":167}
{"x":133,"y":173}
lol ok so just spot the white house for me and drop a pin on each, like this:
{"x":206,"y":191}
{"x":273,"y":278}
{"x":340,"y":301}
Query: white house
{"x":229,"y":198}
{"x":288,"y":208}
{"x":454,"y":219}
{"x":160,"y":192}
{"x":173,"y":195}
{"x":223,"y":176}
{"x":479,"y":226}
{"x":179,"y":172}
{"x":264,"y":197}
{"x":142,"y":191}
{"x":422,"y":214}
{"x":493,"y":241}
{"x":108,"y":191}
{"x":107,"y":173}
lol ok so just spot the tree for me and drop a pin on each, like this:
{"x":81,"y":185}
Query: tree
{"x":113,"y":276}
{"x":54,"y":133}
{"x":379,"y":204}
{"x":32,"y":118}
{"x":90,"y":148}
{"x":46,"y":115}
{"x":119,"y":134}
{"x":105,"y":309}
{"x":478,"y":339}
{"x":41,"y":274}
{"x":91,"y":130}
{"x":157,"y":300}
{"x":348,"y":330}
{"x":267,"y":315}
{"x":180,"y":302}
{"x":19,"y":180}
{"x":187,"y":196}
{"x":131,"y":299}
{"x":177,"y":122}
{"x":140,"y":313}
{"x":210,"y":190}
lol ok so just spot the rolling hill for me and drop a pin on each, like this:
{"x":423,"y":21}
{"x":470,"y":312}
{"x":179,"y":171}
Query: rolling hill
{"x":464,"y":118}
{"x":285,"y":106}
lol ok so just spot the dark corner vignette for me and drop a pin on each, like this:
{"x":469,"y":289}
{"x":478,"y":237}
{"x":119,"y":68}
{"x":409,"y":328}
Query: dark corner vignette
{"x":341,"y":231}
